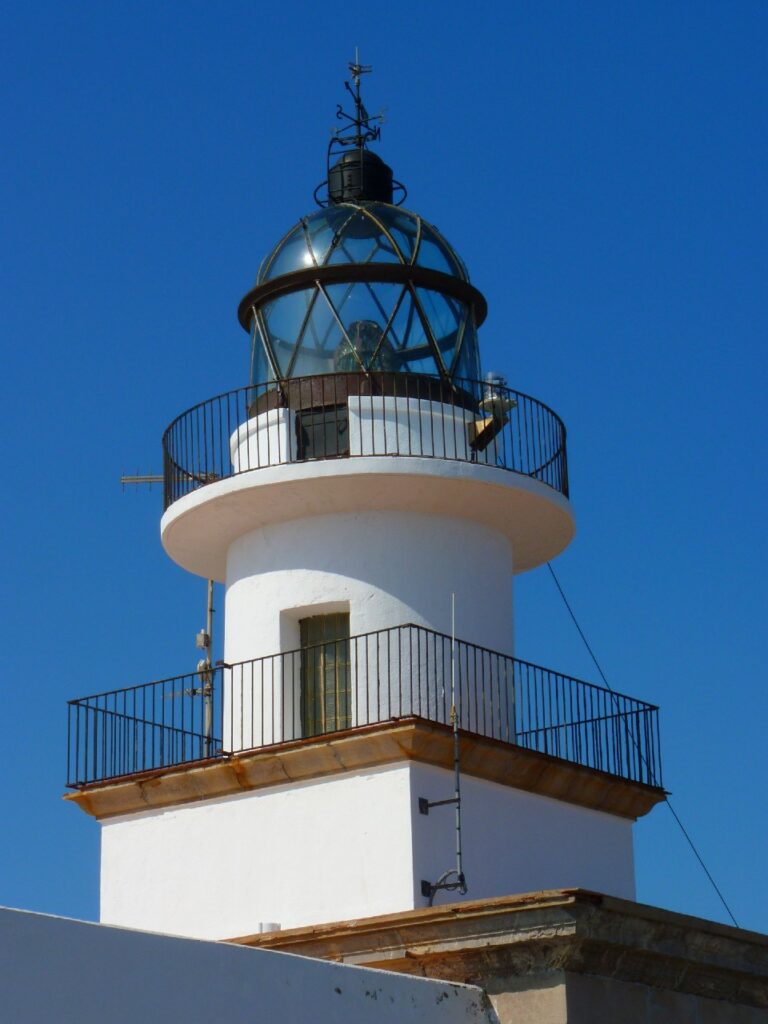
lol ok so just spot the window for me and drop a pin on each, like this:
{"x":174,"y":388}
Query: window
{"x":322,"y":433}
{"x":325,"y":674}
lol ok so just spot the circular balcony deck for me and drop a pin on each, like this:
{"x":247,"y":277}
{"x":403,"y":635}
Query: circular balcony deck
{"x":362,"y":442}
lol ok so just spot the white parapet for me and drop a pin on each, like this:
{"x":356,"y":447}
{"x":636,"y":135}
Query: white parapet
{"x":404,"y":426}
{"x":263,"y":440}
{"x":376,"y":425}
{"x":58,"y":971}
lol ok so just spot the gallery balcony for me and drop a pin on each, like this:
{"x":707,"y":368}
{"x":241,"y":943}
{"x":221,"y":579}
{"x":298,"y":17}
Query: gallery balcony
{"x":326,"y":707}
{"x":363,"y":414}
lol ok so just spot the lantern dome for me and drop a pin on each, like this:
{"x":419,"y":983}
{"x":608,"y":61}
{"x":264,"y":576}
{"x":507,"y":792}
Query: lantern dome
{"x":358,"y":287}
{"x":361,"y":233}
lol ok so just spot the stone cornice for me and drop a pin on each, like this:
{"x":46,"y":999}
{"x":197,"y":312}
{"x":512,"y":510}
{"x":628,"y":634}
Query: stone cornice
{"x":487,"y":942}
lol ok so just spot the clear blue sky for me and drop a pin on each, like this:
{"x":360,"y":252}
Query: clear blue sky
{"x":600,"y":167}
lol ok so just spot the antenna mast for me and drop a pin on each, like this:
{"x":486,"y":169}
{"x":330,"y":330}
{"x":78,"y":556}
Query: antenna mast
{"x":203,"y":640}
{"x":453,"y":879}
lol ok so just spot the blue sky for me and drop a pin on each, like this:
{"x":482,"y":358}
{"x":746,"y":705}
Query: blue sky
{"x":599,"y":166}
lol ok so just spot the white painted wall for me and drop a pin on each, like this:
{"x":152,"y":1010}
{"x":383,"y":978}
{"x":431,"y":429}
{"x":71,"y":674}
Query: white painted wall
{"x":386,"y":568}
{"x":516,"y":842}
{"x":198,"y":529}
{"x":321,"y":851}
{"x":57,"y":971}
{"x":349,"y":846}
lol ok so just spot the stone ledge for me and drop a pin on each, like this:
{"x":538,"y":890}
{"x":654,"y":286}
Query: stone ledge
{"x":491,"y":942}
{"x":365,"y":747}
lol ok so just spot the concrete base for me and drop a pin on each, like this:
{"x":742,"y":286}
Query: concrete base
{"x":562,"y":956}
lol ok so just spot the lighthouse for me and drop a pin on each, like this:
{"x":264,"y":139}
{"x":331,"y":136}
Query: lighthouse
{"x":369,"y":743}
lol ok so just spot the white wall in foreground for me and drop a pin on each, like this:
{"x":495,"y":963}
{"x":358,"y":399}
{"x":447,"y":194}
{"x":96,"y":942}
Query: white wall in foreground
{"x":57,"y":971}
{"x":348,"y":846}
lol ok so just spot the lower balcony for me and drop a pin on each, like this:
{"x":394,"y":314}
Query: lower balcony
{"x":518,"y":723}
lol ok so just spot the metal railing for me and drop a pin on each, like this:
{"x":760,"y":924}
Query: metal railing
{"x":375,"y":677}
{"x":359,"y":414}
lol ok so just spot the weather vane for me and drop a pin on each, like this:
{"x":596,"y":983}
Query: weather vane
{"x":354,"y":172}
{"x":362,"y":127}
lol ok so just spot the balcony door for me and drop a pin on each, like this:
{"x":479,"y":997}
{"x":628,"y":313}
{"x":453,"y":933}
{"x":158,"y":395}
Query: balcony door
{"x":325,"y":674}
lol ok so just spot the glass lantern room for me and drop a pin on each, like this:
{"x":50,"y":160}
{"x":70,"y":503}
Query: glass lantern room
{"x":363,"y":287}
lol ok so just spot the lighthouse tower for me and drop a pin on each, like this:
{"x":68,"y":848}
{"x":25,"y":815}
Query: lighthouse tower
{"x":369,"y":743}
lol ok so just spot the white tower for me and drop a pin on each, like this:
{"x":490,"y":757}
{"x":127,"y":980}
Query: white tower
{"x":364,"y":477}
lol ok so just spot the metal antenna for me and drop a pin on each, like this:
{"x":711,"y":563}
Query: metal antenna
{"x":203,"y":640}
{"x":453,"y":879}
{"x":148,"y":479}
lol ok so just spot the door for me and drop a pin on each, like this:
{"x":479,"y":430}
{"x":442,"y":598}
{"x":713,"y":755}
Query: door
{"x":325,"y":674}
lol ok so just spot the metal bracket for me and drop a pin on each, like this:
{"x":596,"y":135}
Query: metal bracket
{"x":430,"y":889}
{"x":424,"y":804}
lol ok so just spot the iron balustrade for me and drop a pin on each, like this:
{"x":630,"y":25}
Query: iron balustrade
{"x":359,"y":414}
{"x":371,"y":678}
{"x":154,"y":725}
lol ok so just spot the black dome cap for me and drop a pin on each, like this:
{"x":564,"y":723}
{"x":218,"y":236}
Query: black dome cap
{"x":360,"y":176}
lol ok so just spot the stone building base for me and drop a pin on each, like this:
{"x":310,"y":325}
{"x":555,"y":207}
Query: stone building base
{"x":566,"y":955}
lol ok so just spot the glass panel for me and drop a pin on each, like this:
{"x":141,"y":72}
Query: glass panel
{"x":443,"y":313}
{"x":364,"y":309}
{"x":310,"y":361}
{"x":293,"y":254}
{"x":325,"y":674}
{"x":432,"y":254}
{"x":322,"y":336}
{"x":468,"y":364}
{"x":284,"y":318}
{"x":323,"y":227}
{"x":413,"y":351}
{"x":436,"y":242}
{"x":321,"y":330}
{"x":403,"y":226}
{"x":362,"y":241}
{"x":356,"y":301}
{"x":261,"y":369}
